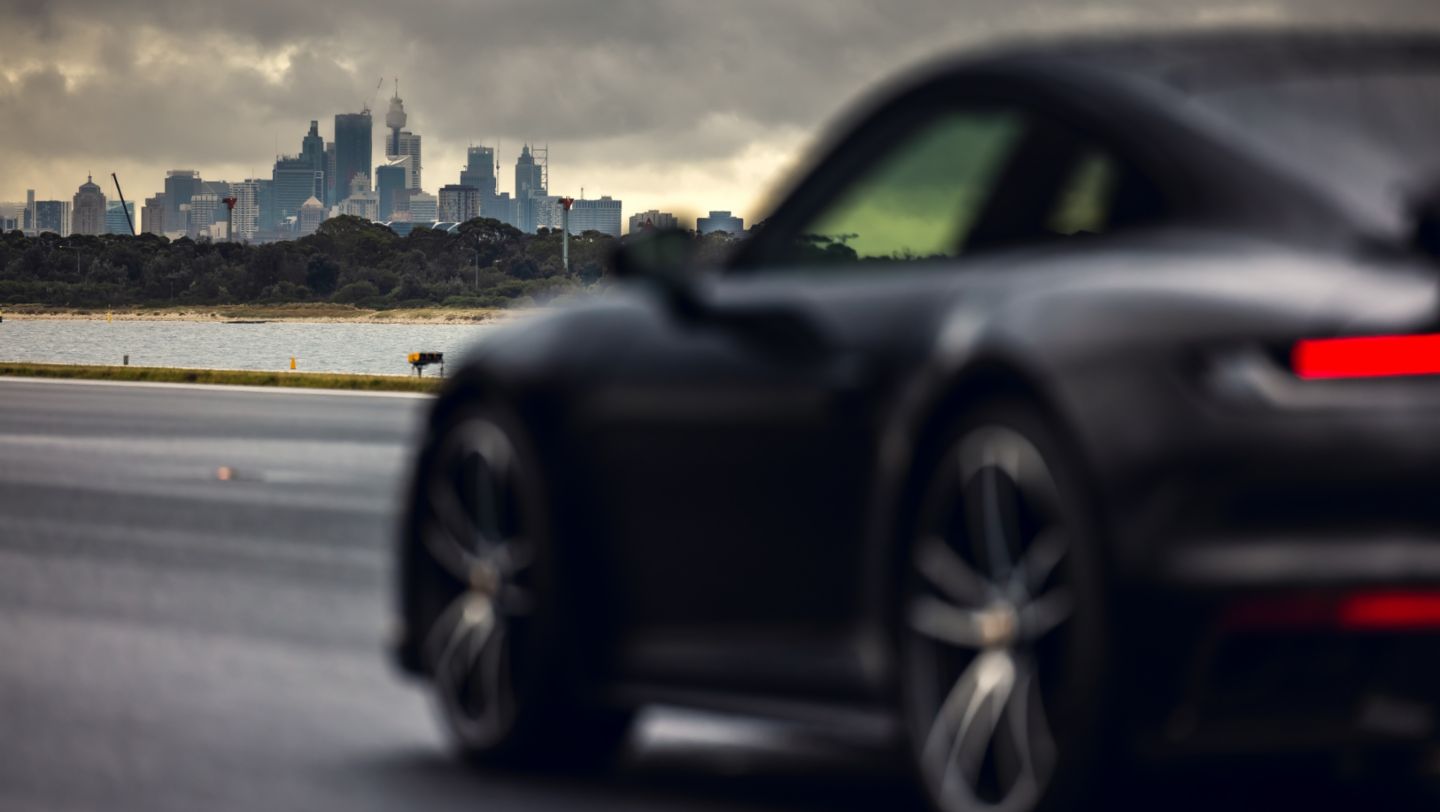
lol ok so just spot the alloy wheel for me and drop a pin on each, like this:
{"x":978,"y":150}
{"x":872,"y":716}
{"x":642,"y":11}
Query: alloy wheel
{"x":983,"y":617}
{"x":474,"y":531}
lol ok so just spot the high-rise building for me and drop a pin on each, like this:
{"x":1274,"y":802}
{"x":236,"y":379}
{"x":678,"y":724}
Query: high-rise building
{"x":361,"y":202}
{"x":116,"y":221}
{"x":424,"y":207}
{"x":52,"y":216}
{"x":206,"y":211}
{"x":329,"y":197}
{"x":499,"y":207}
{"x":312,"y":214}
{"x":153,"y":215}
{"x":88,"y":212}
{"x":312,"y":148}
{"x":653,"y":218}
{"x":546,"y":212}
{"x":353,"y":150}
{"x":295,"y":181}
{"x":601,"y":215}
{"x":530,"y":182}
{"x":458,"y":203}
{"x":392,"y":188}
{"x":720,"y":221}
{"x":410,"y":148}
{"x":267,"y":218}
{"x":246,"y":216}
{"x":479,"y":170}
{"x":180,"y":186}
{"x":31,"y":216}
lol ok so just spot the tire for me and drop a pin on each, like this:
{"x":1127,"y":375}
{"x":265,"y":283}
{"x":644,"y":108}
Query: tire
{"x":486,"y":605}
{"x":1000,"y":629}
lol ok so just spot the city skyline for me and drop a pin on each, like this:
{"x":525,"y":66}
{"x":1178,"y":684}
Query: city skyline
{"x":652,"y":106}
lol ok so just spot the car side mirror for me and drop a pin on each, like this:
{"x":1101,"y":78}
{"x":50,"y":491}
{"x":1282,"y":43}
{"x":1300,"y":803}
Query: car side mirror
{"x":664,"y":259}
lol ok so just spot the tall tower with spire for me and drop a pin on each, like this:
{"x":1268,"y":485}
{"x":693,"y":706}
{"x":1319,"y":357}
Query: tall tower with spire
{"x":395,"y":120}
{"x":88,"y":211}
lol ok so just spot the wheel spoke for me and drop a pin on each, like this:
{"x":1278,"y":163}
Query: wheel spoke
{"x":997,"y":513}
{"x":1046,"y":552}
{"x":1044,"y":614}
{"x":1025,"y":746}
{"x":947,"y":623}
{"x":949,"y":573}
{"x":964,"y":728}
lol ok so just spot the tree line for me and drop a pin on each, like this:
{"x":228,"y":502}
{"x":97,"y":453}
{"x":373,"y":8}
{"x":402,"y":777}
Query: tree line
{"x":349,"y":260}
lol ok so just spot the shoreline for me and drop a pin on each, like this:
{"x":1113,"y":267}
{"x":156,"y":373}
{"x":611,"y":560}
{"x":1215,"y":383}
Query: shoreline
{"x":232,"y":377}
{"x":292,"y":313}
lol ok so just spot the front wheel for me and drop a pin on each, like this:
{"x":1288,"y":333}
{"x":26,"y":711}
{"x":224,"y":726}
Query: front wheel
{"x":1000,"y":635}
{"x":489,"y":616}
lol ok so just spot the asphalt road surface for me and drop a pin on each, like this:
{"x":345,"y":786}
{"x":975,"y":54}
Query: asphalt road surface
{"x":194,"y":585}
{"x":194,"y":593}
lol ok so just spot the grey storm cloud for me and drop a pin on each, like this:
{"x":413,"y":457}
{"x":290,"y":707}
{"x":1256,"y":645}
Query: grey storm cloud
{"x":648,"y":84}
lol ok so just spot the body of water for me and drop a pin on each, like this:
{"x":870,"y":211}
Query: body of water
{"x":323,"y":347}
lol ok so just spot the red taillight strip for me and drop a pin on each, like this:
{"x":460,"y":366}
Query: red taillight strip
{"x":1390,"y":611}
{"x":1367,"y":357}
{"x":1370,"y":611}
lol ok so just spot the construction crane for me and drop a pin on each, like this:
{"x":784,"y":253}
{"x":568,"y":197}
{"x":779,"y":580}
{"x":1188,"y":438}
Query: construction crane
{"x":376,"y":95}
{"x":123,"y":207}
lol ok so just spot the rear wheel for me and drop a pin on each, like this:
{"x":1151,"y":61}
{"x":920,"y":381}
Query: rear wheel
{"x":1000,"y":639}
{"x":489,"y":618}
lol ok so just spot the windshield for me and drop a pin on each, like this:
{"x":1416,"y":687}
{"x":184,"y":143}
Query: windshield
{"x":1372,"y":140}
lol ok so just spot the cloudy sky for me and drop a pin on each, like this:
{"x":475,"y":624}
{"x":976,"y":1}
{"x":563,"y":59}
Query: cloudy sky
{"x":684,"y":105}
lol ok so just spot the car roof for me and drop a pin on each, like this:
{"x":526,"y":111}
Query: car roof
{"x":1195,"y":60}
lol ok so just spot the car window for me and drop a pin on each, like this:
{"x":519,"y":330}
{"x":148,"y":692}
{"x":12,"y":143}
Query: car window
{"x":1083,"y":204}
{"x":919,"y":200}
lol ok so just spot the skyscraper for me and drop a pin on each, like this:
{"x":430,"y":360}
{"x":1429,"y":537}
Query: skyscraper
{"x":88,"y":213}
{"x":529,"y":183}
{"x":153,"y":215}
{"x":52,"y":216}
{"x":115,"y":220}
{"x":330,"y":191}
{"x":295,"y":181}
{"x":391,"y":184}
{"x":312,"y":148}
{"x":353,"y":151}
{"x":180,"y":186}
{"x":30,"y":215}
{"x":479,"y":170}
{"x":459,"y":203}
{"x":410,"y":148}
{"x":246,"y":216}
{"x":205,"y":211}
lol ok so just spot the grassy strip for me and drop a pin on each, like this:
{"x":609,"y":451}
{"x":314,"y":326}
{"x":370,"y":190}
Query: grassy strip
{"x":236,"y":377}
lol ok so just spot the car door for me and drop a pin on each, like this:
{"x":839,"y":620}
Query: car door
{"x":734,"y":454}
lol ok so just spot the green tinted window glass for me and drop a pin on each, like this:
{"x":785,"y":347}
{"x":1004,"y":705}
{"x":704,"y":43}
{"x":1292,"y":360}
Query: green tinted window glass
{"x":923,"y":197}
{"x":1083,"y":206}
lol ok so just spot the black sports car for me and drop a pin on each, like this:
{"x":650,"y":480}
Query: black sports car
{"x":1079,"y":408}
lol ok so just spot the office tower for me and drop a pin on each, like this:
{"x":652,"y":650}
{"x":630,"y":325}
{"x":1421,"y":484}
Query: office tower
{"x":353,"y":151}
{"x":312,"y":148}
{"x":246,"y":216}
{"x":267,"y":218}
{"x":424,"y":207}
{"x":152,"y":217}
{"x":601,"y":215}
{"x":180,"y":186}
{"x":88,"y":211}
{"x":52,"y":216}
{"x":116,"y":221}
{"x":30,"y":214}
{"x":720,"y":221}
{"x":295,"y":181}
{"x":531,"y":175}
{"x":410,"y":148}
{"x":361,"y":202}
{"x":205,"y":211}
{"x":330,"y":191}
{"x":459,"y":203}
{"x":312,"y":214}
{"x":653,"y":218}
{"x":392,"y":188}
{"x":479,"y":170}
